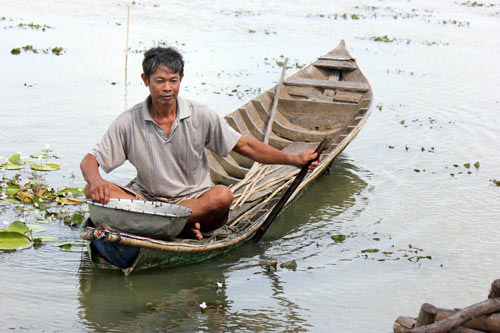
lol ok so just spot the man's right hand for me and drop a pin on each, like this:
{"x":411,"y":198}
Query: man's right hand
{"x":99,"y":191}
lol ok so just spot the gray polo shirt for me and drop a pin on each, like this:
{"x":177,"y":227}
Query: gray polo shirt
{"x":170,"y":166}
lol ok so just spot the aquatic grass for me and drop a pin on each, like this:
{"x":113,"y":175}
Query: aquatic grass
{"x":57,"y":50}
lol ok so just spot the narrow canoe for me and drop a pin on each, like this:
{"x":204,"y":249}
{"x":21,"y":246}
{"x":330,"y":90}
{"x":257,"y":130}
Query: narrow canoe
{"x":329,"y":98}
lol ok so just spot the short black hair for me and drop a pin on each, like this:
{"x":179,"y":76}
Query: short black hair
{"x":162,"y":56}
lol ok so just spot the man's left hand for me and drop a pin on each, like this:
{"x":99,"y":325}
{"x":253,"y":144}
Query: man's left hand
{"x":307,"y":156}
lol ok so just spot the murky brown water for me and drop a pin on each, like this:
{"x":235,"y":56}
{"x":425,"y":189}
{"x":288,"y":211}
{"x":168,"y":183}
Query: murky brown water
{"x":436,"y":87}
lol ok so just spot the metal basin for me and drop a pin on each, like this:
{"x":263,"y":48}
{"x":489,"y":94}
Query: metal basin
{"x":152,"y":219}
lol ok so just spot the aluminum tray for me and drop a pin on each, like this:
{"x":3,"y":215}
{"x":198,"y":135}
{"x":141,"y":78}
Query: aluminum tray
{"x":143,"y":218}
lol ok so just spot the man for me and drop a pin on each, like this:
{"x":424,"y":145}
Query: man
{"x":164,"y":138}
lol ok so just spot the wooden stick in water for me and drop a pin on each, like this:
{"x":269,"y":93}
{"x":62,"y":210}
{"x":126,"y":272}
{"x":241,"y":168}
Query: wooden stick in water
{"x":276,"y":210}
{"x":126,"y":55}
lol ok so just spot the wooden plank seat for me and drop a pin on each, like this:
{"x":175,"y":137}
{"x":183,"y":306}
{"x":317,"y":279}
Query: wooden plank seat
{"x":344,"y":85}
{"x":336,"y":64}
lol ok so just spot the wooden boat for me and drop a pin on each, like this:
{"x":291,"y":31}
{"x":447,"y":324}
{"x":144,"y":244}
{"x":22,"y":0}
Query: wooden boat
{"x":329,"y":98}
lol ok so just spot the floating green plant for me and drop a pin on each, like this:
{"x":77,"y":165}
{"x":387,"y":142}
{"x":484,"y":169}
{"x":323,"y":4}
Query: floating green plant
{"x":70,"y":246}
{"x":58,"y":50}
{"x":19,"y":236}
{"x":338,"y":238}
{"x":370,"y":251}
{"x":46,"y":167}
{"x":384,"y":39}
{"x":292,"y":264}
{"x":10,"y":240}
{"x":33,"y":26}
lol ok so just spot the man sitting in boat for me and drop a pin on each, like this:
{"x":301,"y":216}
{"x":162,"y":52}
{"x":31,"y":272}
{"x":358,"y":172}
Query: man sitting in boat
{"x":164,"y":137}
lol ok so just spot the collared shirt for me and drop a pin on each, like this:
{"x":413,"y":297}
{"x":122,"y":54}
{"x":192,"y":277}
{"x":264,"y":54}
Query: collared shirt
{"x":167,"y":166}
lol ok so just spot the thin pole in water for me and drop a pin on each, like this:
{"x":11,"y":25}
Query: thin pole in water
{"x":126,"y":55}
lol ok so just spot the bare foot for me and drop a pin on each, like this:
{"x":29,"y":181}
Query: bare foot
{"x":192,"y":230}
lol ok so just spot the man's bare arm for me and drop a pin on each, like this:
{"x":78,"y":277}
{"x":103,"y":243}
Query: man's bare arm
{"x":265,"y":154}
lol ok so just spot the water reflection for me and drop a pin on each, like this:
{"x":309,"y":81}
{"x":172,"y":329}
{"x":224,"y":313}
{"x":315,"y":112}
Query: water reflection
{"x":158,"y":299}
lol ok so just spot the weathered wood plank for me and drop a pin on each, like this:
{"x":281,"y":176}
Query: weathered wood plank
{"x":230,"y":165}
{"x":299,"y":91}
{"x":348,"y":96}
{"x":218,"y":174}
{"x":335,"y":64}
{"x":274,"y":140}
{"x":288,"y":131}
{"x":345,"y":85}
{"x":337,"y":57}
{"x":242,"y":160}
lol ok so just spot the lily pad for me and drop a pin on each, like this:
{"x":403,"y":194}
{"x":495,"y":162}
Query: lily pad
{"x":12,"y":166}
{"x":20,"y":227}
{"x":370,"y":251}
{"x":69,"y":201}
{"x":11,"y":240}
{"x":40,"y":155}
{"x":46,"y":167}
{"x":40,"y":240}
{"x":73,"y":190}
{"x":338,"y":238}
{"x":36,"y":228}
{"x":70,"y":247}
{"x":12,"y":190}
{"x":77,"y":219}
{"x":15,"y":159}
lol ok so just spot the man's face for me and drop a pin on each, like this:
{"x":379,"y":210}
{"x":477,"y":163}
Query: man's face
{"x":163,"y":85}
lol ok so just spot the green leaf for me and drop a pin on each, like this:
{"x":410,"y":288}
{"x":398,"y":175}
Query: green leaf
{"x":39,"y":240}
{"x":12,"y":190}
{"x":11,"y":240}
{"x":46,"y":167}
{"x":12,"y":166}
{"x":40,"y":155}
{"x":370,"y":251}
{"x":73,"y":190}
{"x":15,"y":159}
{"x":69,"y":246}
{"x":36,"y":228}
{"x":77,"y":219}
{"x":20,"y":227}
{"x":69,"y":201}
{"x":338,"y":238}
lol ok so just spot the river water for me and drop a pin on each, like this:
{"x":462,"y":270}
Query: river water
{"x":401,"y":187}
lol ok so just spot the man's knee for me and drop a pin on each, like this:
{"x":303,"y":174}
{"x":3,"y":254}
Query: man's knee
{"x":223,"y":196}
